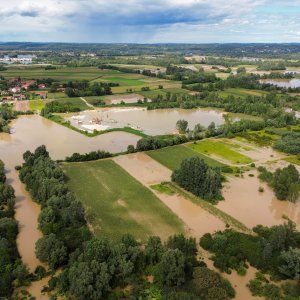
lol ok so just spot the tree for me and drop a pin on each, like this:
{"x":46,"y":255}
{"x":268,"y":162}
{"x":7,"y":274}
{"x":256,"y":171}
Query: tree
{"x":50,"y":249}
{"x":182,"y":126}
{"x":286,"y":183}
{"x":290,"y":266}
{"x":89,"y":280}
{"x":154,"y":250}
{"x":197,"y":177}
{"x":171,"y":268}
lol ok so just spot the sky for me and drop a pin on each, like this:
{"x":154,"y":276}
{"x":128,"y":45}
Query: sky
{"x":150,"y":21}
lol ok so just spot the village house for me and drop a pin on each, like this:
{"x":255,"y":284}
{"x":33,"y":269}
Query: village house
{"x":19,"y":97}
{"x":42,"y":95}
{"x":26,"y":84}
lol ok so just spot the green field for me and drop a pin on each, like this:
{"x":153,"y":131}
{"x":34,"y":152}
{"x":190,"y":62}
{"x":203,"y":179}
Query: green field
{"x":75,"y":101}
{"x":60,"y":74}
{"x":220,"y":149}
{"x":171,"y":157}
{"x":36,"y":105}
{"x":241,"y":92}
{"x":123,"y":81}
{"x":117,"y":204}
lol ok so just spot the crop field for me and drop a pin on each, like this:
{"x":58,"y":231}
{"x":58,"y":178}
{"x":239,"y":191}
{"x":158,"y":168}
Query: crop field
{"x":171,"y":157}
{"x":237,"y":92}
{"x":222,"y":150}
{"x":36,"y":105}
{"x":75,"y":101}
{"x":62,"y":74}
{"x":117,"y":204}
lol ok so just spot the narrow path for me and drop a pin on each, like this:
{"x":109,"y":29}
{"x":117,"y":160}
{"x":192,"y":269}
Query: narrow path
{"x":88,"y":104}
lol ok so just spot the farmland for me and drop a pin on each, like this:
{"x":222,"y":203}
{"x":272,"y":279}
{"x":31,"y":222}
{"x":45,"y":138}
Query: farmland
{"x":172,"y":157}
{"x":220,"y":149}
{"x":117,"y":204}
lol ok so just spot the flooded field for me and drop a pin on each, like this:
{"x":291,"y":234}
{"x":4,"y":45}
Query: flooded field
{"x":152,"y":122}
{"x":126,"y":98}
{"x":285,"y":83}
{"x":148,"y":171}
{"x":244,"y":202}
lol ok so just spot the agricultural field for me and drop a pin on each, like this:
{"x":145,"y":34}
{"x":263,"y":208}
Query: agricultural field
{"x":171,"y":157}
{"x":37,"y":105}
{"x":118,"y":204}
{"x":222,"y":150}
{"x":237,"y":92}
{"x":75,"y":101}
{"x":62,"y":74}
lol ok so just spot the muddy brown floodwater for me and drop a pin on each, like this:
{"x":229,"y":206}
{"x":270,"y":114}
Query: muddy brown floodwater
{"x":244,"y":202}
{"x":29,"y":132}
{"x":152,"y":122}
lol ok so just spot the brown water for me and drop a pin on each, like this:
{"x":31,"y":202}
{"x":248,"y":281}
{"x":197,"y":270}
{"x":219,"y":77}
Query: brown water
{"x":244,"y":202}
{"x":285,"y":83}
{"x":152,"y":122}
{"x":29,"y":132}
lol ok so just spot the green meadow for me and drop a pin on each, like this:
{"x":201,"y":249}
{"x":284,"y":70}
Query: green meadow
{"x":117,"y":204}
{"x":171,"y":157}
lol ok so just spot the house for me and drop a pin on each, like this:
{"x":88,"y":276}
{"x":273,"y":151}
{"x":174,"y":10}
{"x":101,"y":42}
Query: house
{"x":42,"y":86}
{"x":7,"y":98}
{"x":19,"y":97}
{"x":42,"y":95}
{"x":26,"y":84}
{"x":15,"y":89}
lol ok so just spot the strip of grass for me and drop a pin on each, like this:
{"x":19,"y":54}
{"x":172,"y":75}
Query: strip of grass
{"x":227,"y":219}
{"x":36,"y":105}
{"x":293,"y":159}
{"x":118,"y":204}
{"x":77,"y":102}
{"x":221,"y":149}
{"x":171,"y":157}
{"x":162,"y":188}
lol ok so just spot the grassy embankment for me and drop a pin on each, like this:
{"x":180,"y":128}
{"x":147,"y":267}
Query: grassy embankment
{"x":117,"y":204}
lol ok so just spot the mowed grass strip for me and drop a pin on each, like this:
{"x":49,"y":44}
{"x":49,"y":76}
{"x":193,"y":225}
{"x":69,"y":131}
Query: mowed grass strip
{"x":171,"y":157}
{"x":220,"y":149}
{"x":117,"y":204}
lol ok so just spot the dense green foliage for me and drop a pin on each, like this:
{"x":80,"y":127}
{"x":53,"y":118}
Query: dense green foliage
{"x":94,"y":155}
{"x":84,"y":88}
{"x":6,"y":115}
{"x":285,"y":182}
{"x":289,"y":143}
{"x":271,"y":249}
{"x":197,"y":177}
{"x":58,"y":107}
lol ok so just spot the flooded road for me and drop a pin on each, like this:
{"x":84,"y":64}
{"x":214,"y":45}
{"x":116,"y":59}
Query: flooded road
{"x":152,"y":122}
{"x":29,"y":132}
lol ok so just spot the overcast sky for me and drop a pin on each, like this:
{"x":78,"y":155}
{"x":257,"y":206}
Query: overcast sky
{"x":150,"y":21}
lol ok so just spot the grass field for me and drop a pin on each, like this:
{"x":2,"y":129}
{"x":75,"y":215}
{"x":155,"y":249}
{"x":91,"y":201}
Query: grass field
{"x":123,"y":81}
{"x":241,"y":92}
{"x":36,"y":105}
{"x":60,"y":74}
{"x":117,"y":204}
{"x":293,"y":159}
{"x":75,"y":101}
{"x":220,"y":149}
{"x":171,"y":157}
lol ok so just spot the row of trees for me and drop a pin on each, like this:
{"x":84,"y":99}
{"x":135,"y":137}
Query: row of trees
{"x":285,"y":182}
{"x":6,"y":115}
{"x":289,"y":143}
{"x":97,"y":268}
{"x":85,"y":88}
{"x":57,"y":106}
